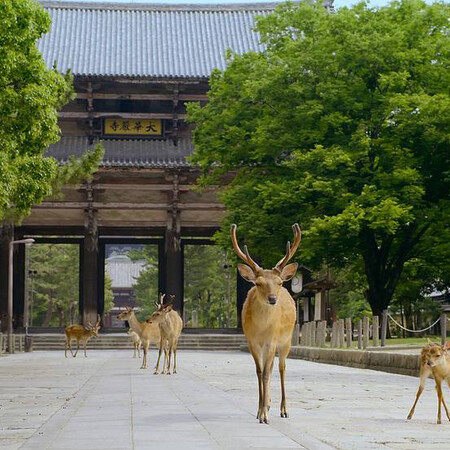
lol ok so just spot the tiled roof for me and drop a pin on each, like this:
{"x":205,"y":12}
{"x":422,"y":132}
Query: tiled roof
{"x":147,"y":41}
{"x":127,"y":153}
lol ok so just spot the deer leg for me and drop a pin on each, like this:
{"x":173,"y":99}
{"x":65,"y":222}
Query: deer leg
{"x":266,"y":375}
{"x":440,"y":398}
{"x":175,"y":358}
{"x":159,"y":357}
{"x":424,"y":373}
{"x":165,"y":360}
{"x":85,"y":345}
{"x":78,"y":348}
{"x":169,"y":360}
{"x":144,"y":358}
{"x":282,"y":354}
{"x":257,"y":358}
{"x":134,"y":350}
{"x":67,"y":346}
{"x":139,"y":345}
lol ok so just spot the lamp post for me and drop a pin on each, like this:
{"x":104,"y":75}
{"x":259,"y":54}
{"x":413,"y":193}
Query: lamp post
{"x":10,"y":291}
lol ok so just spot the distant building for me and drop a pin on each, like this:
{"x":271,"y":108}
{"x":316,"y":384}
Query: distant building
{"x":123,"y":273}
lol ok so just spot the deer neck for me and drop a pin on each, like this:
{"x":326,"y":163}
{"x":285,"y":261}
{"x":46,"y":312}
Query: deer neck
{"x":135,"y":325}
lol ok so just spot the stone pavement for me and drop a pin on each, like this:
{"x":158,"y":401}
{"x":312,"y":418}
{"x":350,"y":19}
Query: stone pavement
{"x":106,"y":402}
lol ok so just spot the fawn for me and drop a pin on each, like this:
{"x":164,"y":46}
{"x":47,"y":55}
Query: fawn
{"x":137,"y":344}
{"x":435,"y":361}
{"x":81,"y":334}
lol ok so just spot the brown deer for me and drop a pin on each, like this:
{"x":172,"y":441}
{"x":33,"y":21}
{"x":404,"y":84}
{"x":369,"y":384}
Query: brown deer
{"x":434,"y":361}
{"x":268,"y":318}
{"x":81,"y":334}
{"x":137,"y":344}
{"x":147,"y":333}
{"x":170,"y":325}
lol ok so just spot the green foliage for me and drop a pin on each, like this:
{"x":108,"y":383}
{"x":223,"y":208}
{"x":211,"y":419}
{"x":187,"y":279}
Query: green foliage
{"x":146,"y":287}
{"x":55,"y":286}
{"x":30,"y":95}
{"x":340,"y":124}
{"x":210,"y":287}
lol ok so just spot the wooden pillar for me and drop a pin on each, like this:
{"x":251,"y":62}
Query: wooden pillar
{"x":174,"y":270}
{"x":19,"y":285}
{"x":242,"y":287}
{"x":90,"y":270}
{"x":6,"y":236}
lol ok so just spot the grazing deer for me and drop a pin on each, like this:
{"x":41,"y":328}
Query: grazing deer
{"x":80,"y":333}
{"x":434,"y":361}
{"x":136,"y":343}
{"x":170,"y":325}
{"x":147,"y":332}
{"x":268,"y":318}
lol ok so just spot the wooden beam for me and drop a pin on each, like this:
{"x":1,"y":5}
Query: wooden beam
{"x":118,"y":115}
{"x":168,"y":97}
{"x":135,"y":206}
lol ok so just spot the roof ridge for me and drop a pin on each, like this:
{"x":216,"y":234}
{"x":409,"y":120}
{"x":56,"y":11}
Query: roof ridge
{"x":55,"y":4}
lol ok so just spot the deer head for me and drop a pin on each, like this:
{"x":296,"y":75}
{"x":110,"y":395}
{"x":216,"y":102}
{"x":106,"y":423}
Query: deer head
{"x":160,"y":314}
{"x":125,"y":315}
{"x":268,"y":282}
{"x":436,"y":353}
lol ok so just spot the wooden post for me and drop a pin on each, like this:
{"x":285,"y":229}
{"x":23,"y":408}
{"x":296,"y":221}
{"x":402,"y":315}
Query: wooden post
{"x":296,"y":335}
{"x":348,"y":327}
{"x":375,"y":330}
{"x":313,"y":333}
{"x":384,"y":323}
{"x":334,"y":335}
{"x":20,"y":343}
{"x":365,"y":332}
{"x":443,"y":328}
{"x":1,"y":343}
{"x":360,"y":334}
{"x":302,"y":335}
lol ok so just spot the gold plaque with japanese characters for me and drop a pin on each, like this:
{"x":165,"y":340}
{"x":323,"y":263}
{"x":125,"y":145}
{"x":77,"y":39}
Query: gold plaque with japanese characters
{"x":133,"y":127}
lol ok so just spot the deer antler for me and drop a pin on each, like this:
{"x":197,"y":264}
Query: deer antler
{"x":290,"y":251}
{"x":244,"y":256}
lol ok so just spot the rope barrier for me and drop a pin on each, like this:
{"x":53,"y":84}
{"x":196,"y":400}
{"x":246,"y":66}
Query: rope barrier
{"x":413,"y":331}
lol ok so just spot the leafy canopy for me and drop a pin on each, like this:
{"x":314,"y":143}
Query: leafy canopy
{"x":342,"y":124}
{"x":30,"y":95}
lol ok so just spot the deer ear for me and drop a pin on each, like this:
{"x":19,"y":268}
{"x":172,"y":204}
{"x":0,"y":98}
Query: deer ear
{"x":447,"y":346}
{"x":289,"y":271}
{"x":246,"y":273}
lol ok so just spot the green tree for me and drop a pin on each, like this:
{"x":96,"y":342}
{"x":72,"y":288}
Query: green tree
{"x":210,"y":287}
{"x":55,"y":287}
{"x":30,"y":95}
{"x":146,"y":287}
{"x":341,"y":124}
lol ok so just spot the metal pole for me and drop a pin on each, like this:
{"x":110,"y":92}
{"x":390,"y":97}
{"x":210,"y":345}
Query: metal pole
{"x":384,"y":319}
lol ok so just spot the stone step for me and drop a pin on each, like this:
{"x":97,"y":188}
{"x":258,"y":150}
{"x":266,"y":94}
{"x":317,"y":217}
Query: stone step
{"x":210,"y":342}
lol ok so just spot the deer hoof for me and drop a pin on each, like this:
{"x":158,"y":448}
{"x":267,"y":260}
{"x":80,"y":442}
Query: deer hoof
{"x":438,"y":422}
{"x":284,"y":415}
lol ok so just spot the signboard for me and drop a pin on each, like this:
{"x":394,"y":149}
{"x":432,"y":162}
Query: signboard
{"x":133,"y":127}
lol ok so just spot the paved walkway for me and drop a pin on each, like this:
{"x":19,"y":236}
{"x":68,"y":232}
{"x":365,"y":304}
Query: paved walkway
{"x":105,"y":402}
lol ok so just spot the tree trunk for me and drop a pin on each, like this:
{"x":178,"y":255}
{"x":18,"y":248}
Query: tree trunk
{"x":49,"y":313}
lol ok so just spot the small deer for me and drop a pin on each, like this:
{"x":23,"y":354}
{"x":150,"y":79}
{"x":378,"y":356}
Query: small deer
{"x":434,"y":361}
{"x":170,"y":325}
{"x":268,"y":318}
{"x":147,"y":333}
{"x":136,"y":343}
{"x":81,"y":334}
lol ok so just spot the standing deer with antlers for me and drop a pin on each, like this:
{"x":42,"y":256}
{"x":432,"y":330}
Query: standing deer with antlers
{"x":81,"y":334}
{"x":268,"y":318}
{"x":170,"y":325}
